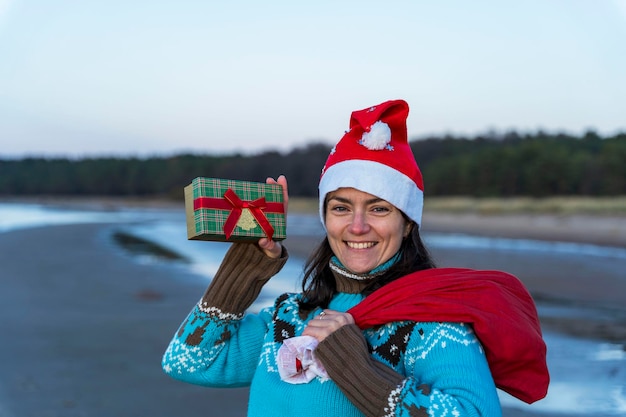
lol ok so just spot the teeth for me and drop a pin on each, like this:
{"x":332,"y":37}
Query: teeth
{"x":360,"y":245}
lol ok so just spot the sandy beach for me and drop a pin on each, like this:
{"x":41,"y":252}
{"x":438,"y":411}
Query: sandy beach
{"x":86,"y":324}
{"x":85,"y":327}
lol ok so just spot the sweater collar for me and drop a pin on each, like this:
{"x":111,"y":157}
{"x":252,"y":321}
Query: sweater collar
{"x":349,"y":282}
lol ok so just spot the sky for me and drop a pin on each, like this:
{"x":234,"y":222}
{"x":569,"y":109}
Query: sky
{"x":85,"y":78}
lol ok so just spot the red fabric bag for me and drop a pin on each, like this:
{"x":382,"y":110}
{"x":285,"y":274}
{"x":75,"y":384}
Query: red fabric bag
{"x":496,"y":304}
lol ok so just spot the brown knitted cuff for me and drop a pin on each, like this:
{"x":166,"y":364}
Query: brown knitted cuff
{"x":240,"y":278}
{"x":365,"y":381}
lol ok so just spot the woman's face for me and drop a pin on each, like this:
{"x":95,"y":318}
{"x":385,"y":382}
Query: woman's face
{"x":363,"y":230}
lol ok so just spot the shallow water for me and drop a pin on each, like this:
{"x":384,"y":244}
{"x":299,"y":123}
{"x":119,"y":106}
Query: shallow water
{"x":587,"y":376}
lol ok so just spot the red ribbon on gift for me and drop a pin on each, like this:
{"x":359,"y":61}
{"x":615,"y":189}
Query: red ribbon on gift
{"x":232,"y":202}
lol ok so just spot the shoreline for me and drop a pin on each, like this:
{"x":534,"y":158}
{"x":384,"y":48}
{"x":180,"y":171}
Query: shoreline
{"x":598,"y":229}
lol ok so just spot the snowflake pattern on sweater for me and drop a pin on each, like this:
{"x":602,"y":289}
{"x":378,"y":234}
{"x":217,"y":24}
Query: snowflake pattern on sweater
{"x":444,"y":368}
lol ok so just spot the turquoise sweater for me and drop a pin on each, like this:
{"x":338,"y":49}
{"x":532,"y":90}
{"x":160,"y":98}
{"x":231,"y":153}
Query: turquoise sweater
{"x":403,"y":369}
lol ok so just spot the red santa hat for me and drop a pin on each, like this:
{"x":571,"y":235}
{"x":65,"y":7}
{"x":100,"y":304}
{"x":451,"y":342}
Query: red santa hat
{"x":374,"y":156}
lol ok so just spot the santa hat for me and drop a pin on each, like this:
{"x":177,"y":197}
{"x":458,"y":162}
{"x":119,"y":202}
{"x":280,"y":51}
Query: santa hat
{"x":374,"y":156}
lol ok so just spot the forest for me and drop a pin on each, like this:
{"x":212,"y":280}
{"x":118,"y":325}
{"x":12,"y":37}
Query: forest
{"x":489,"y":165}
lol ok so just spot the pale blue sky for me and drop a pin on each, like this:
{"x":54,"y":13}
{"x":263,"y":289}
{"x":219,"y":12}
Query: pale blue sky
{"x":80,"y":77}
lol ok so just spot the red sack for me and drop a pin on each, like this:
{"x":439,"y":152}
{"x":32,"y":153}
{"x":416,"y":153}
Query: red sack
{"x":496,"y":304}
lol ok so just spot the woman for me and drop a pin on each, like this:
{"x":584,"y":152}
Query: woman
{"x":353,"y":342}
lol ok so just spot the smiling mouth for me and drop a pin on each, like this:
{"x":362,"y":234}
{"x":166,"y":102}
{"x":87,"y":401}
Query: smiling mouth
{"x":360,"y":245}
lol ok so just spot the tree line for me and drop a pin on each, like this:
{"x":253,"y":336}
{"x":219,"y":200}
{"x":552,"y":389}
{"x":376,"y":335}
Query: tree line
{"x":510,"y":164}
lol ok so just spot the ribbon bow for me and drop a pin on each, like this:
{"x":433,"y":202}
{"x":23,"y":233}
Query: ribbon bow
{"x":256,"y":208}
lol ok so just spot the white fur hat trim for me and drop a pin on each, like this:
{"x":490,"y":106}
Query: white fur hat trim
{"x":376,"y":179}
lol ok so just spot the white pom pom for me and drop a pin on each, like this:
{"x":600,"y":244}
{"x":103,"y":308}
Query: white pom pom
{"x":378,"y":137}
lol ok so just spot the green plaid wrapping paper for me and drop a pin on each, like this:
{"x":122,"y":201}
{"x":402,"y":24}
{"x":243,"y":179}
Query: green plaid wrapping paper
{"x":208,"y":223}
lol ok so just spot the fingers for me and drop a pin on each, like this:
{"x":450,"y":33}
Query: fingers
{"x":326,"y":323}
{"x":282,"y":181}
{"x":271,"y":248}
{"x":335,"y":317}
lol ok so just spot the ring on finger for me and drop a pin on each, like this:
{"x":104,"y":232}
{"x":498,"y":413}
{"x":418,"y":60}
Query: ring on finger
{"x":322,"y":314}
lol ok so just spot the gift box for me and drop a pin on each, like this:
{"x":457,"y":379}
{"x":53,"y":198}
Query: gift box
{"x":234,"y":211}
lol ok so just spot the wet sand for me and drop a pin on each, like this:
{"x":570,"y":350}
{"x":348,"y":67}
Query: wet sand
{"x":84,"y":327}
{"x":85,"y":324}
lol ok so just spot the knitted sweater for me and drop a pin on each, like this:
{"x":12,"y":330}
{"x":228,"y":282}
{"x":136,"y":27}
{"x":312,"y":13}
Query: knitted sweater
{"x":398,"y":369}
